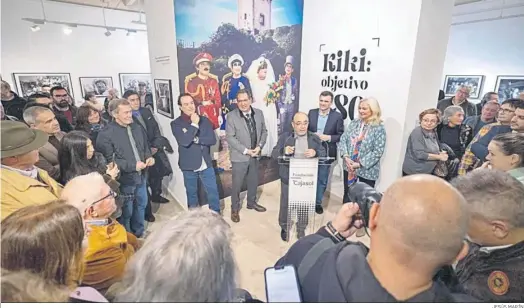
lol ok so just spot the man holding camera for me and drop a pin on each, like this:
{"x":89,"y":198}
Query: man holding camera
{"x":408,"y":246}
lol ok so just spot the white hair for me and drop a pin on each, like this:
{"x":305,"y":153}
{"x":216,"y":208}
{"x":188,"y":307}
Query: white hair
{"x":189,"y":259}
{"x":83,"y":190}
{"x":449,"y":112}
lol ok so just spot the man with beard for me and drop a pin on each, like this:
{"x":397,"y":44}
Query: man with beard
{"x":203,"y":87}
{"x":460,"y":99}
{"x":62,"y":104}
{"x":13,"y":104}
{"x":287,"y":103}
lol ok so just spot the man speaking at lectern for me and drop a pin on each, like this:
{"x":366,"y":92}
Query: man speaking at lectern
{"x":299,"y":144}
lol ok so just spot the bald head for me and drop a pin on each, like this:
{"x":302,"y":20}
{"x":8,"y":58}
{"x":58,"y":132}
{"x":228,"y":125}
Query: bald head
{"x":300,"y":123}
{"x":425,"y":218}
{"x":84,"y":190}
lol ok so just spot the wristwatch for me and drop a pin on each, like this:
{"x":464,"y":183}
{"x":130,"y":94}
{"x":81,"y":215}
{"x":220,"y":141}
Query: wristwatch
{"x":334,"y":233}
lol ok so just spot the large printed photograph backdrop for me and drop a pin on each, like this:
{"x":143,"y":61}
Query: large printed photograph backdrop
{"x":250,"y":44}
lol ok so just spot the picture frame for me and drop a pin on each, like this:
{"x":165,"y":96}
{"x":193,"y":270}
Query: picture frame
{"x":452,"y":82}
{"x":99,"y":85}
{"x":164,"y":98}
{"x":29,"y":83}
{"x":509,"y":86}
{"x":131,"y":81}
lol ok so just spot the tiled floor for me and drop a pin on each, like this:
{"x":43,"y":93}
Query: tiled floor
{"x":257,"y":242}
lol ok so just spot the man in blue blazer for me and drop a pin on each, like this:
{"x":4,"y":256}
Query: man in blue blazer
{"x":329,"y":126}
{"x":195,"y":136}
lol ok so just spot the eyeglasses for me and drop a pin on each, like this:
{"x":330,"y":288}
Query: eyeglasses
{"x":111,"y":194}
{"x":301,"y":123}
{"x":504,"y":110}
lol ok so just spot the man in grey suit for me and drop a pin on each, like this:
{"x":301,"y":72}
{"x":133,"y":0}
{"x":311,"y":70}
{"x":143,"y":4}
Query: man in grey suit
{"x":246,"y":135}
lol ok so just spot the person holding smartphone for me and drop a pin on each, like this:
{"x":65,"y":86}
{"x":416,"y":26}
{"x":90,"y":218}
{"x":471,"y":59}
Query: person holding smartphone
{"x":405,"y":252}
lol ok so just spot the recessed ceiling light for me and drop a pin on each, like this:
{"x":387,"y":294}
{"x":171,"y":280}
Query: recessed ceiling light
{"x":67,"y":30}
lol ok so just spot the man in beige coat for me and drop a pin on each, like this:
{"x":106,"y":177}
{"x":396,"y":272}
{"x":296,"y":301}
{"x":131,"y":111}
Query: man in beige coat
{"x":44,"y":119}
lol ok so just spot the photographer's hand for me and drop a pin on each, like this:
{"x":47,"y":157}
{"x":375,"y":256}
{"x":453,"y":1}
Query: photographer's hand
{"x":344,"y":222}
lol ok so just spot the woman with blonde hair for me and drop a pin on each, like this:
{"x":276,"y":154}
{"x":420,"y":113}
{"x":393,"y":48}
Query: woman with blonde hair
{"x":423,"y":149}
{"x":362,"y":145}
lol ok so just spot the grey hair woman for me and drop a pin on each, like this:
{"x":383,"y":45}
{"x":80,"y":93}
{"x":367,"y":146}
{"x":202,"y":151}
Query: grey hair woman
{"x":189,"y":259}
{"x":453,"y":133}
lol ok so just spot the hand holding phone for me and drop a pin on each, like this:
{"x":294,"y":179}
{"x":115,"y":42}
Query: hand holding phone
{"x":282,"y":285}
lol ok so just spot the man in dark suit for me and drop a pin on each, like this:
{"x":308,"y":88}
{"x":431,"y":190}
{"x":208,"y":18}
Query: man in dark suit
{"x":299,"y":143}
{"x":246,"y":135}
{"x":328,"y":125}
{"x":159,"y":146}
{"x":195,"y":136}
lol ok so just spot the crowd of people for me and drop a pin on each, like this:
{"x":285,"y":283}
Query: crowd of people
{"x":78,"y":244}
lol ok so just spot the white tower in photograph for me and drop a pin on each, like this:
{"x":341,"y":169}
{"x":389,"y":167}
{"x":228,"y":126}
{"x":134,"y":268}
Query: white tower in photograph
{"x":254,"y":15}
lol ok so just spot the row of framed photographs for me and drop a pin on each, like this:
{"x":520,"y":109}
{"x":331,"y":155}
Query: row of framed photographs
{"x":507,"y":86}
{"x":30,"y":83}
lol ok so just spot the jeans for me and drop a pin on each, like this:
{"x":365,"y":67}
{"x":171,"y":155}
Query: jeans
{"x":133,"y":211}
{"x":322,"y":181}
{"x":345,"y":199}
{"x":209,"y":181}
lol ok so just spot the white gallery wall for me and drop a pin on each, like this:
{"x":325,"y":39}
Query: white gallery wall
{"x":483,"y":43}
{"x":86,"y":52}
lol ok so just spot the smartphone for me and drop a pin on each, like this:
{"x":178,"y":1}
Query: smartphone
{"x":282,"y":285}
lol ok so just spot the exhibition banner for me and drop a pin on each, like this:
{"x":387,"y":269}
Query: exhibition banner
{"x":227,"y":45}
{"x":302,"y":190}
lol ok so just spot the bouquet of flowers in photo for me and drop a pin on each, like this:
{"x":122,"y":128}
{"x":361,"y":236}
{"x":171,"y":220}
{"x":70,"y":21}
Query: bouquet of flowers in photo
{"x":274,"y":91}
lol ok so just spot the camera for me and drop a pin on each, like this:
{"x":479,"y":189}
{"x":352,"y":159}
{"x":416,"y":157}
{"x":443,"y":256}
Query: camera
{"x":365,"y":196}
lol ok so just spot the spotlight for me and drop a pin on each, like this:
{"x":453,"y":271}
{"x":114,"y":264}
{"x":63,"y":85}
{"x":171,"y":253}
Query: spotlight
{"x":131,"y":33}
{"x":35,"y":28}
{"x":107,"y":33}
{"x":67,"y":30}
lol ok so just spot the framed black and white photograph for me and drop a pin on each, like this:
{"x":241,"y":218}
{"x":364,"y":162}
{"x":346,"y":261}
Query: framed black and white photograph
{"x":453,"y":82}
{"x":30,"y":83}
{"x":509,"y":87}
{"x":98,"y":85}
{"x":164,"y":98}
{"x":137,"y":82}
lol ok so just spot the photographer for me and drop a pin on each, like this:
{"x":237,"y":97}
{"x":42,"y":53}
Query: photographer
{"x":413,"y":236}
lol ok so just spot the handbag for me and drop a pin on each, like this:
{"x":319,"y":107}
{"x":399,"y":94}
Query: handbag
{"x":441,"y":169}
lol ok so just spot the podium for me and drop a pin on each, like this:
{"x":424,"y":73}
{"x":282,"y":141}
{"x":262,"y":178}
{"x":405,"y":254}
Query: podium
{"x":302,"y":192}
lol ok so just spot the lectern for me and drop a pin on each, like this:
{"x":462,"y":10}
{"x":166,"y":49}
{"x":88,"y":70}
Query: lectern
{"x":302,"y":187}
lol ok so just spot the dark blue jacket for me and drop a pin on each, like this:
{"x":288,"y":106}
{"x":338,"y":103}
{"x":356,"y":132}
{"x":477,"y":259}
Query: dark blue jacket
{"x":193,"y":143}
{"x":342,"y":274}
{"x":480,"y":148}
{"x":334,"y":127}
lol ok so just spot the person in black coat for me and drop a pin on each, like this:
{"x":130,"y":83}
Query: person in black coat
{"x":13,"y":104}
{"x":159,"y":146}
{"x":328,"y":125}
{"x":88,"y":120}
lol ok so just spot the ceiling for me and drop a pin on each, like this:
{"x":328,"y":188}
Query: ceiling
{"x":125,"y":5}
{"x":136,"y":5}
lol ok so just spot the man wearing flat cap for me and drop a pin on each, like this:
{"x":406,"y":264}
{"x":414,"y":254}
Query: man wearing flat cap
{"x":233,"y":81}
{"x":203,"y":87}
{"x":23,"y":184}
{"x":287,"y":103}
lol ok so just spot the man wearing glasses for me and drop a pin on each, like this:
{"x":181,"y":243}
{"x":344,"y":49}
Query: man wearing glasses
{"x":109,"y":245}
{"x":62,"y":104}
{"x":506,"y":113}
{"x":300,"y":144}
{"x":460,"y":99}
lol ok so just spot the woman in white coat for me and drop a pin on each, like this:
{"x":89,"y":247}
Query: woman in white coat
{"x":261,"y":76}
